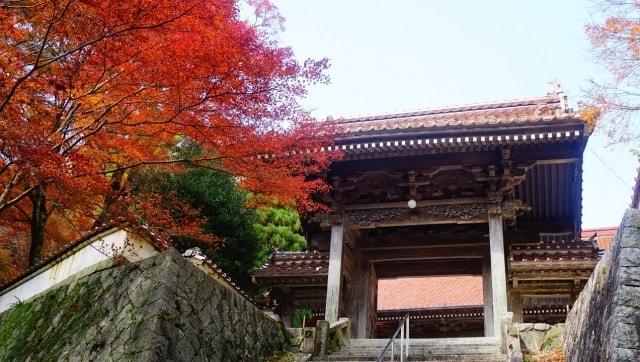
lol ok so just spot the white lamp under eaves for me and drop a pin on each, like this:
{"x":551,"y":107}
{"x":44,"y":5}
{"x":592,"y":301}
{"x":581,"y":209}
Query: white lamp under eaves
{"x":412,"y":204}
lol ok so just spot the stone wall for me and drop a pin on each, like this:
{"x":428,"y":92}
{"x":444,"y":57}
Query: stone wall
{"x":540,"y":337}
{"x":604,"y":324}
{"x":162,"y":308}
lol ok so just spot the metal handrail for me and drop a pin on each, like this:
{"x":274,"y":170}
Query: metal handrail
{"x":404,"y":341}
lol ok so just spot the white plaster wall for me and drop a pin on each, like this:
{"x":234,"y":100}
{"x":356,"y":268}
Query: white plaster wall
{"x":138,"y":248}
{"x":104,"y":246}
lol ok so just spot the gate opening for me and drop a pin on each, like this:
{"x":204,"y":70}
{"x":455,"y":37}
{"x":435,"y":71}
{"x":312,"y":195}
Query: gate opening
{"x":439,"y":306}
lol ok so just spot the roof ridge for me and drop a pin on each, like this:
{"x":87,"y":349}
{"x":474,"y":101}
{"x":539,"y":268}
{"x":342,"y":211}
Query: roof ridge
{"x":508,"y":103}
{"x":198,"y":254}
{"x":600,"y":228}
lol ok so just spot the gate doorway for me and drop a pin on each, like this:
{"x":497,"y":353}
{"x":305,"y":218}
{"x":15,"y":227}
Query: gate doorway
{"x":439,"y":306}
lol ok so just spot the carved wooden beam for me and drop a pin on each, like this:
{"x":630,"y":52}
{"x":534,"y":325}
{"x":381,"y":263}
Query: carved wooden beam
{"x":412,"y":184}
{"x":431,"y":214}
{"x":420,"y":204}
{"x":511,"y":209}
{"x":427,"y":213}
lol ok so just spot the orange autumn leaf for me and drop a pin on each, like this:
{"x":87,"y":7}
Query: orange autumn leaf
{"x":92,"y":90}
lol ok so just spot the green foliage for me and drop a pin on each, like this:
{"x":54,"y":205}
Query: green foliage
{"x":550,"y":342}
{"x":282,"y":356}
{"x":216,"y":196}
{"x":248,"y":236}
{"x":299,"y":315}
{"x":279,"y":228}
{"x":336,"y":338}
{"x":553,"y":339}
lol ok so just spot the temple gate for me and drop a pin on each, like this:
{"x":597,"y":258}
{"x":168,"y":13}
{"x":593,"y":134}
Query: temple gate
{"x":491,"y":190}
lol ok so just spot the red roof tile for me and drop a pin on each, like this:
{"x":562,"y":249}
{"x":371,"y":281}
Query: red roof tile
{"x":604,"y":236}
{"x":604,"y":231}
{"x":524,"y":111}
{"x":429,"y":292}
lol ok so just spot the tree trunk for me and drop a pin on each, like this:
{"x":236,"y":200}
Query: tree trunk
{"x":38,"y":221}
{"x":117,"y":185}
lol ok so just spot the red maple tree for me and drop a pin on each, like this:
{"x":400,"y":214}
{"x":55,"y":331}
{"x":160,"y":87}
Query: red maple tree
{"x":613,"y":100}
{"x":91,"y":90}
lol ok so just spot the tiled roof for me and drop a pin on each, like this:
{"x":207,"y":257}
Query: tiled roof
{"x":429,"y":292}
{"x":603,"y":236}
{"x":299,"y":268}
{"x":552,"y":252}
{"x":295,"y":263}
{"x":523,"y":111}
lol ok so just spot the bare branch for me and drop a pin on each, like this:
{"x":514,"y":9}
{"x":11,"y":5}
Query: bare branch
{"x":15,"y":200}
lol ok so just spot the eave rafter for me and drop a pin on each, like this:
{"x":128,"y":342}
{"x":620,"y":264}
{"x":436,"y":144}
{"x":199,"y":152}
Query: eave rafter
{"x":408,"y":144}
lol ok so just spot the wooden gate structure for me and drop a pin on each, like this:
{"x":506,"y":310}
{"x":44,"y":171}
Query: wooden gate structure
{"x":491,"y":189}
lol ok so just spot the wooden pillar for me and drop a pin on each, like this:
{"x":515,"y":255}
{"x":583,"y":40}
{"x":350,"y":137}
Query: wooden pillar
{"x":498,"y":270}
{"x":487,"y":296}
{"x":334,"y":276}
{"x":373,"y":304}
{"x":353,"y":297}
{"x":515,"y":306}
{"x":367,"y":297}
{"x":359,"y":292}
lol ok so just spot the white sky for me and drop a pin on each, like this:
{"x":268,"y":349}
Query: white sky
{"x":391,"y":56}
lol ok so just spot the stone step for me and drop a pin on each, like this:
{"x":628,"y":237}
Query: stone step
{"x":456,"y":358}
{"x":425,"y":350}
{"x":436,"y":347}
{"x":422,"y":354}
{"x":431,"y":348}
{"x":430,"y":341}
{"x":481,"y":349}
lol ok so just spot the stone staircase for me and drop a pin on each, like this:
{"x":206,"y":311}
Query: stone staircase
{"x":481,"y":349}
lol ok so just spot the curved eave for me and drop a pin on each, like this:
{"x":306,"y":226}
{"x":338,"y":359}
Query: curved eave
{"x":351,"y":132}
{"x":412,"y":142}
{"x":299,"y":280}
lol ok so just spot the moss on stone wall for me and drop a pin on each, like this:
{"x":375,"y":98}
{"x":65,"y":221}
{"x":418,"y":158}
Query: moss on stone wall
{"x":43,"y":326}
{"x":162,"y":308}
